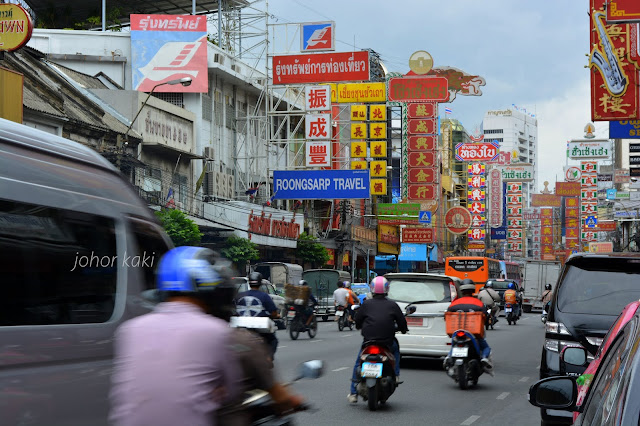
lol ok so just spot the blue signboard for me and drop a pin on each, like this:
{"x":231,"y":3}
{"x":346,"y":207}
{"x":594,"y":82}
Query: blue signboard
{"x":611,"y":194}
{"x":624,"y":129}
{"x":424,"y":217}
{"x":413,"y":252}
{"x":498,"y":233}
{"x":591,"y":221}
{"x":317,"y":36}
{"x":320,"y":184}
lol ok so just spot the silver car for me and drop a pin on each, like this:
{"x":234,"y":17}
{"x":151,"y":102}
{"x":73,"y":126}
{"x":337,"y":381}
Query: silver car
{"x":431,"y":294}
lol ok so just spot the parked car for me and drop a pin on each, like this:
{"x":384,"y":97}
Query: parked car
{"x":242,"y":285}
{"x":592,"y":291}
{"x":607,"y":392}
{"x":79,"y":247}
{"x":432,"y":293}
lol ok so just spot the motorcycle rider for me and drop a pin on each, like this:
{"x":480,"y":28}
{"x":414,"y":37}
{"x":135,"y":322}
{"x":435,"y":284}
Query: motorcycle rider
{"x":185,"y":347}
{"x":511,"y":296}
{"x":491,"y":298}
{"x":547,"y":294}
{"x":311,"y":304}
{"x":378,"y":319}
{"x":255,"y":303}
{"x":341,"y":297}
{"x":354,"y":300}
{"x":468,"y":303}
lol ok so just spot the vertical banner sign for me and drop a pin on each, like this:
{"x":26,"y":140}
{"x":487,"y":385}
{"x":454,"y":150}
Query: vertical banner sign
{"x":514,"y":219}
{"x":613,"y":61}
{"x":572,"y":223}
{"x":495,"y":198}
{"x":169,"y":47}
{"x":588,"y":200}
{"x":546,"y":230}
{"x":475,"y":197}
{"x":422,"y":135}
{"x":531,"y":218}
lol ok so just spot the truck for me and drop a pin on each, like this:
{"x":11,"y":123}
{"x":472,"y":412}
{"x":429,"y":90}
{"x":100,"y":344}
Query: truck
{"x":323,"y":283}
{"x":279,"y":273}
{"x":537,"y":273}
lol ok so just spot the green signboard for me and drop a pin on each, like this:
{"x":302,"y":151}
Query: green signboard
{"x":396,"y":209}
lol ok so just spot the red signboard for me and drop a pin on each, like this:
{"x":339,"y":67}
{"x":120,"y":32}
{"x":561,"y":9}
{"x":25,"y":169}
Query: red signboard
{"x":606,"y":226}
{"x":623,"y":11}
{"x":422,"y":126}
{"x":614,"y":77}
{"x":568,"y":189}
{"x":321,"y":67}
{"x":422,"y":175}
{"x":422,"y":143}
{"x":422,"y":110}
{"x":457,"y":220}
{"x":486,"y":151}
{"x":417,"y":235}
{"x":503,"y":159}
{"x":417,"y":89}
{"x":546,"y":200}
{"x":422,"y":192}
{"x":421,"y":159}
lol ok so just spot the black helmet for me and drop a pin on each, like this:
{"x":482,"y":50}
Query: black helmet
{"x":467,"y":285}
{"x":255,"y":278}
{"x":547,"y":287}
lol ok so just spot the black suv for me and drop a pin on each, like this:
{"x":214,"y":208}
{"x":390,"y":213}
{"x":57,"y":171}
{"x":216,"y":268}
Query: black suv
{"x":591,"y":292}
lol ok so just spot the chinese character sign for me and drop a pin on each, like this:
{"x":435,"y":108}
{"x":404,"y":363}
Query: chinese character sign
{"x":358,"y":112}
{"x":317,"y":98}
{"x":318,"y":154}
{"x":514,"y":219}
{"x":495,"y":198}
{"x":318,"y":126}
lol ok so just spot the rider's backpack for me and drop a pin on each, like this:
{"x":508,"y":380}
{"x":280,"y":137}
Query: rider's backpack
{"x":510,"y":296}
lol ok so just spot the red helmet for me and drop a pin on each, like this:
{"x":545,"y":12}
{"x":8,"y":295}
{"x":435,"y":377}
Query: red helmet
{"x":379,"y":285}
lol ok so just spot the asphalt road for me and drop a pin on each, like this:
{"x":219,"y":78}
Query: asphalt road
{"x":428,"y":396}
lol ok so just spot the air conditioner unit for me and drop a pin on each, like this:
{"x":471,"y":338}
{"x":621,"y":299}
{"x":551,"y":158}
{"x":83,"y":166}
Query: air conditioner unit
{"x":211,"y":166}
{"x":222,"y":188}
{"x":210,"y":186}
{"x":208,"y":152}
{"x":219,"y":58}
{"x":231,"y":192}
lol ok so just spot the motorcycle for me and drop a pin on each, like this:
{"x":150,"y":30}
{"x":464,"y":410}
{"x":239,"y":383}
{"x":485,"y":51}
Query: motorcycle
{"x":344,"y":319}
{"x":257,"y":407}
{"x":490,"y":319}
{"x":508,"y":312}
{"x":464,"y":363}
{"x":377,"y":372}
{"x":263,"y":326}
{"x":295,"y":315}
{"x":545,"y":312}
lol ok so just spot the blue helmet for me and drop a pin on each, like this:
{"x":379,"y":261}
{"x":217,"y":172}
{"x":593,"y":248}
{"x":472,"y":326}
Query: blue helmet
{"x":188,"y":270}
{"x":510,"y":286}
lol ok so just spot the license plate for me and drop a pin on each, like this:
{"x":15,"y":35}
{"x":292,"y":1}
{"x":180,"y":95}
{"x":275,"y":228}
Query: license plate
{"x":291,"y":314}
{"x":415,"y":322}
{"x":459,"y":351}
{"x":371,"y":370}
{"x":339,"y":313}
{"x":508,"y":309}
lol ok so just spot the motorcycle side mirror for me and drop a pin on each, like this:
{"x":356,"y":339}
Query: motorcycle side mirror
{"x":311,"y":369}
{"x":410,"y":310}
{"x":521,"y":289}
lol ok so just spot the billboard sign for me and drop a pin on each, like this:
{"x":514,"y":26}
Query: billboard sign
{"x":16,"y":27}
{"x":485,"y":151}
{"x":169,"y":47}
{"x":318,"y":154}
{"x":584,"y":149}
{"x":399,"y":209}
{"x":417,"y":235}
{"x":626,"y":129}
{"x":317,"y":126}
{"x":320,"y":184}
{"x":517,"y":172}
{"x":417,"y":89}
{"x":545,"y":200}
{"x":317,"y":36}
{"x":317,"y":98}
{"x":499,"y":233}
{"x":457,"y":220}
{"x":568,"y":189}
{"x":321,"y":67}
{"x":623,"y":11}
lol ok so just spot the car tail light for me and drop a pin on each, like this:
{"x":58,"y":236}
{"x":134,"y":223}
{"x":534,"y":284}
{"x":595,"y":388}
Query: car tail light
{"x":452,"y":290}
{"x":554,"y":345}
{"x":556,"y":327}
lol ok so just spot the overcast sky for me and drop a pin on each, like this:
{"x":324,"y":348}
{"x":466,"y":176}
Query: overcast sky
{"x":531,"y":54}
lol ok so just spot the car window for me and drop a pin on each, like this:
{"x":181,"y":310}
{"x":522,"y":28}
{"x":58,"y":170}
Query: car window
{"x":500,"y":285}
{"x":612,"y":379}
{"x":408,"y":291}
{"x":151,"y":245}
{"x":585,"y":290}
{"x":266,"y":288}
{"x":61,"y":264}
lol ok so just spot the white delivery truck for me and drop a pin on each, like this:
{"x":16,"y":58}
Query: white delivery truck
{"x":537,"y":273}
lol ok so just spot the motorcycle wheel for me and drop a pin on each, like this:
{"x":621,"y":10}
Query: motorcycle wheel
{"x":462,"y":377}
{"x":373,"y":398}
{"x":313,"y":328}
{"x":294,"y":328}
{"x":341,"y":323}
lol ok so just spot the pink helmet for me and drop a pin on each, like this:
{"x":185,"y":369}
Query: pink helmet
{"x":379,"y":285}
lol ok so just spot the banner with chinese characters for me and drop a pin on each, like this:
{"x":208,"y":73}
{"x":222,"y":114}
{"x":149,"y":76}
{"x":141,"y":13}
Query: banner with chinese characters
{"x":572,"y":223}
{"x":476,"y":200}
{"x":531,"y":217}
{"x":496,"y":198}
{"x":317,"y":98}
{"x":318,"y":126}
{"x":546,"y":231}
{"x":318,"y":154}
{"x":623,"y":11}
{"x":421,"y":135}
{"x":588,"y":199}
{"x":613,"y":61}
{"x":514,"y":218}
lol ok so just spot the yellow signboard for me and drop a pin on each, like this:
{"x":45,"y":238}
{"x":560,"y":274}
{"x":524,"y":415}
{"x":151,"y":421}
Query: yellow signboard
{"x":362,"y":92}
{"x":378,"y":149}
{"x":378,"y":187}
{"x":358,"y":112}
{"x":11,"y":84}
{"x":377,"y":112}
{"x":356,"y":165}
{"x":358,"y":149}
{"x":16,"y":27}
{"x":388,"y":239}
{"x":379,"y":168}
{"x":378,"y":130}
{"x":358,"y":130}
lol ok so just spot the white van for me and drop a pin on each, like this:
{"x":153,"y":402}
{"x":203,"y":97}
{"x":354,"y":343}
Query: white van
{"x":77,"y":249}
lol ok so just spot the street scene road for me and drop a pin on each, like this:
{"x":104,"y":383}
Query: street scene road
{"x":427,"y":396}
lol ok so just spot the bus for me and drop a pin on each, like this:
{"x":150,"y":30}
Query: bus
{"x":478,"y":269}
{"x":512,"y":271}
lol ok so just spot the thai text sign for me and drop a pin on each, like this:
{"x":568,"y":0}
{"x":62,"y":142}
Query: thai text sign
{"x":485,"y":151}
{"x":318,"y":154}
{"x":517,"y":172}
{"x":264,"y":225}
{"x":417,"y":235}
{"x":320,"y":184}
{"x":417,"y":89}
{"x":399,"y":209}
{"x":623,"y":11}
{"x":358,"y":92}
{"x":627,"y":129}
{"x":168,"y":47}
{"x":600,"y":247}
{"x":568,"y":189}
{"x":586,"y":149}
{"x":546,"y":200}
{"x":321,"y":67}
{"x":621,"y":176}
{"x":16,"y":27}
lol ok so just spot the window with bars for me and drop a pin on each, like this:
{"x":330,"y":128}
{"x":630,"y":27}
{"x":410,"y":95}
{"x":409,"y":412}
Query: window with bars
{"x":207,"y":107}
{"x":229,"y":115}
{"x":176,"y":99}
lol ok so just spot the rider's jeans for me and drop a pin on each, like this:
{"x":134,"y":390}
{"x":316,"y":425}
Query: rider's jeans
{"x":484,"y":347}
{"x":395,"y":350}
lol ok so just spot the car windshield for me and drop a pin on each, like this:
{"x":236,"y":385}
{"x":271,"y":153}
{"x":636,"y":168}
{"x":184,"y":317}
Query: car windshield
{"x":585,"y":290}
{"x":408,"y":291}
{"x":360,"y":289}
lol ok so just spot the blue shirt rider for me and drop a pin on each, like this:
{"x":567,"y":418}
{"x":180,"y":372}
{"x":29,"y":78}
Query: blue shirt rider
{"x":256,"y":303}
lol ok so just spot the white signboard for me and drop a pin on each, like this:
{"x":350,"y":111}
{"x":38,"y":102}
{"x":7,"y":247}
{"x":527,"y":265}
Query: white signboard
{"x":318,"y":154}
{"x":517,"y":172}
{"x":317,"y":98}
{"x":584,"y":149}
{"x":318,"y":126}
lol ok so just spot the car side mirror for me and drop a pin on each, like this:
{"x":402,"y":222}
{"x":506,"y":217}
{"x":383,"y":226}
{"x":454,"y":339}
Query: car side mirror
{"x":521,"y":289}
{"x":554,"y":393}
{"x":574,"y":355}
{"x":410,"y":310}
{"x":311,"y":369}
